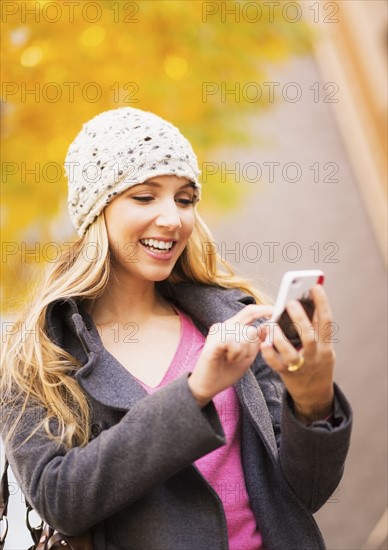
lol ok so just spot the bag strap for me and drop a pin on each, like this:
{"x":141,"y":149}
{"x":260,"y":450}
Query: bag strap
{"x":52,"y":540}
{"x":4,"y":498}
{"x":44,"y":536}
{"x":4,"y":491}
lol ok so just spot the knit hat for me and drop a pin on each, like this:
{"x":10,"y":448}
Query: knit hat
{"x":118,"y":149}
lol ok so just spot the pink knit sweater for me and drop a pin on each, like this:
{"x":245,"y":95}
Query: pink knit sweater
{"x":221,"y":468}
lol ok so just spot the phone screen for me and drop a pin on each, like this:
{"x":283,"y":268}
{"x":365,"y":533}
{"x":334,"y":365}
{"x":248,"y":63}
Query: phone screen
{"x":290,"y":331}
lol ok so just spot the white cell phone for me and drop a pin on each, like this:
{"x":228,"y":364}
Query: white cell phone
{"x":295,"y":285}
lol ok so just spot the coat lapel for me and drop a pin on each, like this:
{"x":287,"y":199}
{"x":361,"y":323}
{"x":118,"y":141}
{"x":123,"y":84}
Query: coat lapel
{"x":209,"y":305}
{"x":104,"y":379}
{"x":101,"y":376}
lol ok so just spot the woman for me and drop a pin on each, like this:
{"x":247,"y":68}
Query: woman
{"x":141,"y":401}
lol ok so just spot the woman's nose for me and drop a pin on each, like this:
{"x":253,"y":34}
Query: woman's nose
{"x":169,"y":217}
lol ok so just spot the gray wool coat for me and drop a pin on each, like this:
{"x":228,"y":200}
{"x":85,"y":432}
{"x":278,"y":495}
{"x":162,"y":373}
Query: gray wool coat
{"x":134,"y":484}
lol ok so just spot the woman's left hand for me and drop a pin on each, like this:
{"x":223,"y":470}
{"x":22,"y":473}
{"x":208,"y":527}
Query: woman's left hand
{"x":310,"y":386}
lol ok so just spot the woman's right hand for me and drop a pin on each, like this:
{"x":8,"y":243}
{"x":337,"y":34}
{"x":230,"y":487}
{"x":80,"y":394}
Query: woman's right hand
{"x":229,"y":351}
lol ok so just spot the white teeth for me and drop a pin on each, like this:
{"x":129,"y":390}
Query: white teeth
{"x":157,"y":244}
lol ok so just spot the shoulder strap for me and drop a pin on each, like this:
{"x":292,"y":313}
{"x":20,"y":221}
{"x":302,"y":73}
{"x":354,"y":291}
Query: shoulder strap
{"x":4,"y":497}
{"x":4,"y":491}
{"x":51,"y":538}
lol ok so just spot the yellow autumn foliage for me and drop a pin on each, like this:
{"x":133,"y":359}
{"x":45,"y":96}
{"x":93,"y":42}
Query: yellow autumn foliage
{"x":64,"y":62}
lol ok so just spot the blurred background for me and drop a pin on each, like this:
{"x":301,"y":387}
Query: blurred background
{"x":285,"y":104}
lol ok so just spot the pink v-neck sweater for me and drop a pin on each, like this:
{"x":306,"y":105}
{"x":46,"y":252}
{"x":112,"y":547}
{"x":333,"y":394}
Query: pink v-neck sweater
{"x":221,"y":468}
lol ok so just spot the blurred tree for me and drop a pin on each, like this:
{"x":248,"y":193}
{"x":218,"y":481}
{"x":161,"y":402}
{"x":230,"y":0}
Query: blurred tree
{"x":64,"y":62}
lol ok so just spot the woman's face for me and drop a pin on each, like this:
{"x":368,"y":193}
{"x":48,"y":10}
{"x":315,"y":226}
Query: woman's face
{"x":149,"y":226}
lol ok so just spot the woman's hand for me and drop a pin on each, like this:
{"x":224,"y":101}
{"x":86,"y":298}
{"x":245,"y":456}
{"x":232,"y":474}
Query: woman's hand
{"x":311,"y":386}
{"x":229,"y":351}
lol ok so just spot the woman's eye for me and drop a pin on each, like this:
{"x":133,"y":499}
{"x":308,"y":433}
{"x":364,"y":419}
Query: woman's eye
{"x":143,"y":199}
{"x":185,"y":202}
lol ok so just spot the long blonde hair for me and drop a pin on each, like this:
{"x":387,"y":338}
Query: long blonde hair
{"x":34,"y":370}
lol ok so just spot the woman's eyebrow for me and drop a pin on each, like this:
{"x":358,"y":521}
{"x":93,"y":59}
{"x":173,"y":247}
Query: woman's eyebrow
{"x":156,"y":184}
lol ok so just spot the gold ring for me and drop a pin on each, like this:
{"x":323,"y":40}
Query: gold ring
{"x":292,"y":367}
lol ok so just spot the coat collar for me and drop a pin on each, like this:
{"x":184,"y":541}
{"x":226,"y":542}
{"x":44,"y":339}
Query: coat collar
{"x":104,"y":379}
{"x":101,"y":375}
{"x":66,"y":318}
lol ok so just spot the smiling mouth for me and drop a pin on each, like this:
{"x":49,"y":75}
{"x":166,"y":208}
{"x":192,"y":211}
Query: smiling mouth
{"x":158,"y":246}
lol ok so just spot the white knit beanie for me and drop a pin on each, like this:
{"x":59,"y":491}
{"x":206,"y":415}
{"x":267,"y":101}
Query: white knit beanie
{"x":118,"y":149}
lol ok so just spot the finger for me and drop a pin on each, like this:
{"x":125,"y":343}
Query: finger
{"x":253,"y":335}
{"x":286,"y":351}
{"x":323,"y":312}
{"x":251,"y":313}
{"x":302,"y":322}
{"x":272,"y":358}
{"x":321,"y":301}
{"x":262,"y":331}
{"x":234,"y":352}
